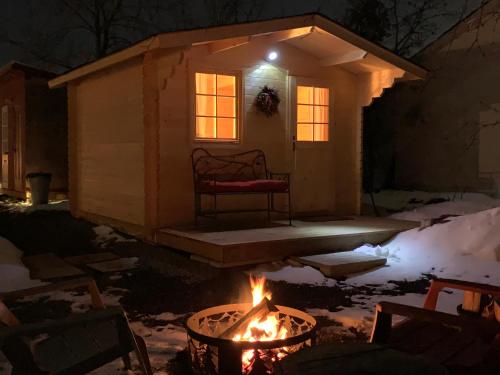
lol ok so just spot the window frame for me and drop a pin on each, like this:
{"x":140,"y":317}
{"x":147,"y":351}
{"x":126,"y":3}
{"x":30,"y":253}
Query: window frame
{"x":313,"y":84}
{"x":239,"y":99}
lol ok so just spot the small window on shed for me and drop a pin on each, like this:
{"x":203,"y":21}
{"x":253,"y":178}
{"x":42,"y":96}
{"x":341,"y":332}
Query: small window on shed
{"x":216,"y":105}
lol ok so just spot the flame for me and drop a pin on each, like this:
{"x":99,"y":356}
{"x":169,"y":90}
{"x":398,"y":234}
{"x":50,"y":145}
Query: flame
{"x":258,"y":293}
{"x":267,"y":328}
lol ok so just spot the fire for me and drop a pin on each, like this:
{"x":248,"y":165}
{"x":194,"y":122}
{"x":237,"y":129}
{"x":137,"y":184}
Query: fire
{"x":267,"y":328}
{"x":258,"y":292}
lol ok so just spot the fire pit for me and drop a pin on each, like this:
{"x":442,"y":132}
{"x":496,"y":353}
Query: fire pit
{"x":247,"y":338}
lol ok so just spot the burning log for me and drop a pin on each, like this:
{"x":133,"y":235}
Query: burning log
{"x":257,"y":312}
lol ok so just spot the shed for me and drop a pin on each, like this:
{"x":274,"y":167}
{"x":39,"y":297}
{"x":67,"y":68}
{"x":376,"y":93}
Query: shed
{"x":34,"y":129}
{"x":136,"y":115}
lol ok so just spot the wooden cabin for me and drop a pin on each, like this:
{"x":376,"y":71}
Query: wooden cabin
{"x":136,"y":115}
{"x":34,"y":129}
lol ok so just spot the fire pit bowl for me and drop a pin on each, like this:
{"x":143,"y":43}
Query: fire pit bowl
{"x":212,"y":354}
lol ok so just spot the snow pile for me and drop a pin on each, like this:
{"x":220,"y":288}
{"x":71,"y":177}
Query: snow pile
{"x":411,"y":201}
{"x":474,"y":203}
{"x":465,"y":247}
{"x":106,"y":235}
{"x":13,"y":274}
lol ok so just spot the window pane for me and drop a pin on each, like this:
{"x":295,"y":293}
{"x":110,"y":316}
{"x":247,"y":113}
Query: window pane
{"x":305,"y":132}
{"x":205,"y":105}
{"x":226,"y":128}
{"x":304,"y":113}
{"x":305,"y":95}
{"x":205,"y":83}
{"x":320,"y":114}
{"x":226,"y":85}
{"x":321,"y":132}
{"x":226,"y":107}
{"x":205,"y":127}
{"x":320,"y":96}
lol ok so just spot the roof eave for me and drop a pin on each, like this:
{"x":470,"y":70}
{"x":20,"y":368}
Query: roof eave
{"x":183,"y":39}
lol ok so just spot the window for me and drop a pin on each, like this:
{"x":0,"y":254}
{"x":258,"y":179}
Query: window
{"x":312,"y":113}
{"x":216,"y":106}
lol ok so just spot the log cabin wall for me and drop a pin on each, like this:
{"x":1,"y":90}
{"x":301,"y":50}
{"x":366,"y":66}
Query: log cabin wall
{"x":338,"y":175}
{"x":106,"y":145}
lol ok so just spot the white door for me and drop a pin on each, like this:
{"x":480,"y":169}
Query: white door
{"x":311,"y":107}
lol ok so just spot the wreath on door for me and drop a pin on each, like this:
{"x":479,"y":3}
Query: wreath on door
{"x":267,"y":101}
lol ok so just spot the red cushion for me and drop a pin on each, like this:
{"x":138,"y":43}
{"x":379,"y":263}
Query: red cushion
{"x":251,"y":186}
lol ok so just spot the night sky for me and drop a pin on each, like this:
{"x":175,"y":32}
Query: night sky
{"x":23,"y":19}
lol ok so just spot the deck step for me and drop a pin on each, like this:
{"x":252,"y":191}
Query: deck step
{"x":341,"y":264}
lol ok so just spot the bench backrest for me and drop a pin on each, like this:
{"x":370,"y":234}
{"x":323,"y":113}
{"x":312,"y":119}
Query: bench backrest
{"x":245,"y":166}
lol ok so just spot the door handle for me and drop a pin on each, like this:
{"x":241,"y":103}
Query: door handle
{"x":294,"y":141}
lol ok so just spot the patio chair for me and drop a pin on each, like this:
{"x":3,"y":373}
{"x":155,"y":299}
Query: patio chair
{"x":74,"y":345}
{"x":459,"y":342}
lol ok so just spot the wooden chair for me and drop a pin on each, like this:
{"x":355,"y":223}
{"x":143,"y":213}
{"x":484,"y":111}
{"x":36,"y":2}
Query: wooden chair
{"x":461,"y":343}
{"x":76,"y":344}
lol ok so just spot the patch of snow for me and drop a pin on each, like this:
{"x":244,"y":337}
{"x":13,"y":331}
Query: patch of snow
{"x":466,"y":247}
{"x":408,"y":200}
{"x":106,"y":235}
{"x":13,"y":273}
{"x":25,"y":206}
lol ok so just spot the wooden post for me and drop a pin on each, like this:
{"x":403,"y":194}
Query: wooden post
{"x":382,"y":326}
{"x":73,"y":169}
{"x":151,"y":143}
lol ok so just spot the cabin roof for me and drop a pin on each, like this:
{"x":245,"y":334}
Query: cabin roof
{"x":31,"y":70}
{"x":322,"y":37}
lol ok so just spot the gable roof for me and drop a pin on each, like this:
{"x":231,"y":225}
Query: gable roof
{"x":184,"y":39}
{"x":31,"y":70}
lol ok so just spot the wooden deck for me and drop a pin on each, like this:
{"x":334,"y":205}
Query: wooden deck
{"x":228,"y":248}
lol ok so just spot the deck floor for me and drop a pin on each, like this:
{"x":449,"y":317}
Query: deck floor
{"x":234,"y":247}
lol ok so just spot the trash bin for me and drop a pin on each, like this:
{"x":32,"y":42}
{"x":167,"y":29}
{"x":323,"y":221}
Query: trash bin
{"x":40,"y":186}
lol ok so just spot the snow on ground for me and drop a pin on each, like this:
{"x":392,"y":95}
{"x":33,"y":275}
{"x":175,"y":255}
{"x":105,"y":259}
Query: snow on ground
{"x":25,"y":206}
{"x":412,"y":200}
{"x":13,"y":274}
{"x":465,"y":247}
{"x":106,"y":235}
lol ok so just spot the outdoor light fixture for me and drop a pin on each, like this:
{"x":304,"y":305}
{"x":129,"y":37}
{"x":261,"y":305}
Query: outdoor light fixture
{"x":271,"y":56}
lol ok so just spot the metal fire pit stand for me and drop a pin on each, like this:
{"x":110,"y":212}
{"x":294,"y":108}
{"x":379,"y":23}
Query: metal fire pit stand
{"x":211,"y":354}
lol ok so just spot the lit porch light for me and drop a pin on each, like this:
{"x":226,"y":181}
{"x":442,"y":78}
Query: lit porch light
{"x":272,"y":56}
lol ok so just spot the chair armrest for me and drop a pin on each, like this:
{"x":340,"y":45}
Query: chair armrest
{"x":86,"y":282}
{"x":438,"y":285}
{"x":383,"y":321}
{"x":54,"y":326}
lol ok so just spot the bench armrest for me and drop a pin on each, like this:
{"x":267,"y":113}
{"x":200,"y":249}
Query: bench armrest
{"x":438,"y":285}
{"x":55,"y":326}
{"x":383,"y":321}
{"x":86,"y":282}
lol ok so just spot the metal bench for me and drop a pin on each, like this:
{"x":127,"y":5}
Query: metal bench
{"x":236,"y":174}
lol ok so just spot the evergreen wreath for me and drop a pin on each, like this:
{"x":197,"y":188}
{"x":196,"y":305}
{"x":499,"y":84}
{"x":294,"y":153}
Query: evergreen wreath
{"x":267,"y":101}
